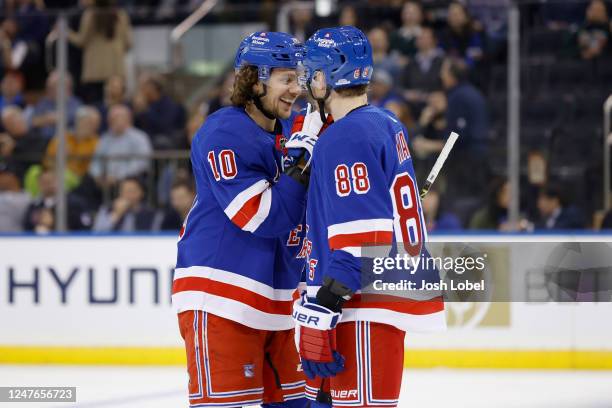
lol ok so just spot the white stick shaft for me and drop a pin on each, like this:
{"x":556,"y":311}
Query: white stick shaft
{"x":442,"y":157}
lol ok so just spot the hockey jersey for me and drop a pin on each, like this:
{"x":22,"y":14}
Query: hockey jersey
{"x":236,"y":250}
{"x":363,"y":193}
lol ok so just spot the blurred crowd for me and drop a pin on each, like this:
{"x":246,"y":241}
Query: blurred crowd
{"x":439,"y":66}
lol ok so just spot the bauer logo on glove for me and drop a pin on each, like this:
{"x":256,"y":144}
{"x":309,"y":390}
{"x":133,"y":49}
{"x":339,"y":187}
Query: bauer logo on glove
{"x":316,"y":339}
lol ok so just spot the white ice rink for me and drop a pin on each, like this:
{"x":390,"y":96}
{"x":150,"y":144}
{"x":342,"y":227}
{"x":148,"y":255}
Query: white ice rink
{"x":157,"y":387}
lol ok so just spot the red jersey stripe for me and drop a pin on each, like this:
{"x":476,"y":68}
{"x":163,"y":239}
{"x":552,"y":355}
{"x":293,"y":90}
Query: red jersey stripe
{"x":259,"y":302}
{"x":361,"y":239}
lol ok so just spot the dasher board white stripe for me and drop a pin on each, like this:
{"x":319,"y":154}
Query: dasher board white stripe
{"x":234,"y":279}
{"x":238,"y":202}
{"x":262,"y":212}
{"x":231,"y":309}
{"x":359,"y":226}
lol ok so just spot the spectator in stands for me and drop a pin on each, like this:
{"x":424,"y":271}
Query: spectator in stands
{"x":129,"y":212}
{"x":460,"y":39}
{"x":105,"y":35}
{"x":436,"y":217}
{"x":467,"y":115}
{"x":348,"y":16}
{"x":13,"y":203}
{"x":11,"y":90}
{"x":555,"y":211}
{"x":80,"y":144}
{"x":494,"y":215}
{"x":594,"y":35}
{"x":43,"y":116}
{"x":401,"y":110}
{"x":490,"y":15}
{"x":196,"y":119}
{"x":383,"y":60}
{"x":123,"y":151}
{"x":422,"y":74}
{"x":431,"y":130}
{"x":404,"y":38}
{"x":20,"y":146}
{"x":301,"y":21}
{"x":467,"y":111}
{"x":159,"y":116}
{"x":8,"y":32}
{"x":381,"y":89}
{"x":40,"y":216}
{"x":224,"y":92}
{"x":115,"y":92}
{"x":182,"y":195}
{"x":23,"y":38}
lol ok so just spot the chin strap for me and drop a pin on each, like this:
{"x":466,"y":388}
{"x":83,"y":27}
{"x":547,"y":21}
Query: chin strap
{"x":320,"y":101}
{"x":259,"y":105}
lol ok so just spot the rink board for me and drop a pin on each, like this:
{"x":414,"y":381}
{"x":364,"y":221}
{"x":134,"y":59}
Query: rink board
{"x":106,"y":300}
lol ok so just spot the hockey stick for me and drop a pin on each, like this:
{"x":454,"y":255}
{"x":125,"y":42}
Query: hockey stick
{"x":448,"y":146}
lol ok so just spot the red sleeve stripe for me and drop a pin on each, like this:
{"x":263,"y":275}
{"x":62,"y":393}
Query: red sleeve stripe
{"x":247,"y":212}
{"x":361,"y":239}
{"x":251,"y":206}
{"x":257,"y":301}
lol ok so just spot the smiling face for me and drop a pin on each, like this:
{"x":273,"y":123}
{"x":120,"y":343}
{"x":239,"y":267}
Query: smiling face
{"x":282,"y":90}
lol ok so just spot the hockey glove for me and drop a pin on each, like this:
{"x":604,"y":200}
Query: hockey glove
{"x":317,"y":339}
{"x":305,"y":133}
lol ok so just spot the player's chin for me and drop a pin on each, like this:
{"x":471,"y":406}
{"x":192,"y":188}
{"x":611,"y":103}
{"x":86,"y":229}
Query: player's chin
{"x":284,"y":109}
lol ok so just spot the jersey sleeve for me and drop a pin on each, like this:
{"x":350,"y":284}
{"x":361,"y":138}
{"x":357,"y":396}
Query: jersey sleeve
{"x":247,"y":183}
{"x":357,"y":206}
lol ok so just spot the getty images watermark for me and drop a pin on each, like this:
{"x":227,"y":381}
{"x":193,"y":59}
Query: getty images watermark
{"x":425,"y":272}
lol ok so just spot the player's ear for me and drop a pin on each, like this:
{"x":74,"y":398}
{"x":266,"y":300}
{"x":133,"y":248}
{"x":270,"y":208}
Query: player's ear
{"x":318,"y":82}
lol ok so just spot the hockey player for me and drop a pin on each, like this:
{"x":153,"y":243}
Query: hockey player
{"x":236,"y":273}
{"x":362,"y":192}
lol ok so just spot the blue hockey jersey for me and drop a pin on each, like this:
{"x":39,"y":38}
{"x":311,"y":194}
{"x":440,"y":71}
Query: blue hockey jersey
{"x":362,"y":193}
{"x":236,"y":251}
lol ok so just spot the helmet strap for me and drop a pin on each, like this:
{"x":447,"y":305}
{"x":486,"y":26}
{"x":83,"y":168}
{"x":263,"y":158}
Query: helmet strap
{"x":320,"y":101}
{"x":259,"y":104}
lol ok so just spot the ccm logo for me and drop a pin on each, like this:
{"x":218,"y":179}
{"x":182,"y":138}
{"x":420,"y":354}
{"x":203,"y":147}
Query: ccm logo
{"x":304,"y":318}
{"x":343,"y":394}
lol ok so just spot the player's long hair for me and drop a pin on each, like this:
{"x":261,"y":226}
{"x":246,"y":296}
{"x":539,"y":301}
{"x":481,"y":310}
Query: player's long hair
{"x":242,"y":93}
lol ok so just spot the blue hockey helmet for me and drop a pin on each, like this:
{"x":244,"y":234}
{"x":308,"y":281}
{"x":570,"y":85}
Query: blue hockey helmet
{"x":267,"y":50}
{"x":343,"y":54}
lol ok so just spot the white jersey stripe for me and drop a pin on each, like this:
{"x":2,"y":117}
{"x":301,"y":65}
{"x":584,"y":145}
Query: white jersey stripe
{"x":433,"y":322}
{"x":359,"y":226}
{"x":244,"y":196}
{"x":232,"y":310}
{"x":262,"y":212}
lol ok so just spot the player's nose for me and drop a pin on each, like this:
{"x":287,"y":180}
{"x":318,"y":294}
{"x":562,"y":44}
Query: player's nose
{"x":295,"y":89}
